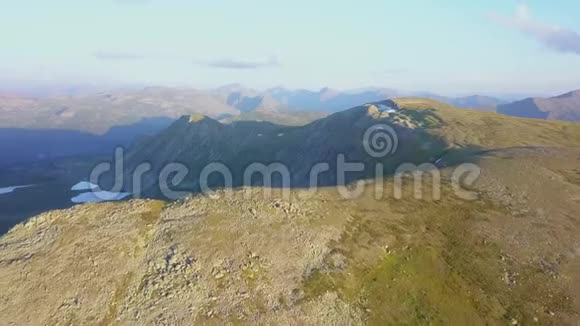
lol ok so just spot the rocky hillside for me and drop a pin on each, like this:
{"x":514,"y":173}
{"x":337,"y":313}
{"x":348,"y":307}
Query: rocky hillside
{"x":510,"y":257}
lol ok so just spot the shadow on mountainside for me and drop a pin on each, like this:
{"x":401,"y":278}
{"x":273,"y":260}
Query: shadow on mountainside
{"x":19,"y":145}
{"x":51,"y":161}
{"x":339,"y":146}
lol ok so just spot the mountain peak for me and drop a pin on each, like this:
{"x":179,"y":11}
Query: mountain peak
{"x":376,"y":109}
{"x":564,"y":107}
{"x":575,"y":93}
{"x":196,"y":118}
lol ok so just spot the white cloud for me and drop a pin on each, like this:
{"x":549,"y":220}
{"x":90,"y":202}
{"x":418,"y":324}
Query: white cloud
{"x":243,"y":64}
{"x":552,"y":36}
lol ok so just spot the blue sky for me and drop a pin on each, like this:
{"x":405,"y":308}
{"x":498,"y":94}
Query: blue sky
{"x":450,"y":47}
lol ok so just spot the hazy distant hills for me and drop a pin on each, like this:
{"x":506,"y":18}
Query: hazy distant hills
{"x":327,"y":99}
{"x":98,"y":113}
{"x":41,"y":89}
{"x":562,"y":107}
{"x":485,"y":103}
{"x":333,"y":100}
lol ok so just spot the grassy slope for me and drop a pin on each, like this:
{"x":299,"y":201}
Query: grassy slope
{"x":417,"y":262}
{"x":490,"y":130}
{"x":285,"y":117}
{"x":448,"y":274}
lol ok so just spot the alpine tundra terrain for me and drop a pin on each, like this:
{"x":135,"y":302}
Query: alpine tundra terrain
{"x":510,"y":255}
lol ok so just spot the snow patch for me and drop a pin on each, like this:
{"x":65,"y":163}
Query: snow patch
{"x":385,"y":108}
{"x":99,"y":196}
{"x":84,"y":185}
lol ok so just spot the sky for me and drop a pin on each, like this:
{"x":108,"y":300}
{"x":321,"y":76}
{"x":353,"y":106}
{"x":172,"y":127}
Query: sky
{"x":449,"y":47}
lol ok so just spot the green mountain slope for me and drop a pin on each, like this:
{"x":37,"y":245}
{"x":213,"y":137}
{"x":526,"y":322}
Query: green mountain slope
{"x":426,"y":131}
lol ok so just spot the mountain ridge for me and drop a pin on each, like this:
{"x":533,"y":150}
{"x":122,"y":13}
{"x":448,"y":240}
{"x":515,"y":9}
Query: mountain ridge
{"x":427,"y":128}
{"x":564,"y":107}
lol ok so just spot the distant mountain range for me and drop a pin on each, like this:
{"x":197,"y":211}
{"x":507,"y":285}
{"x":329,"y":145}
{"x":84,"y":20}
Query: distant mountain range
{"x":562,"y":107}
{"x":281,"y":101}
{"x":97,"y":113}
{"x":475,"y":102}
{"x":332,"y":100}
{"x":119,"y":117}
